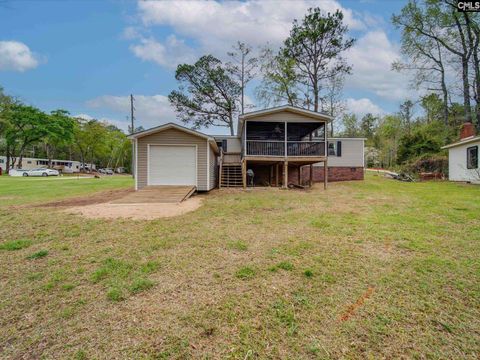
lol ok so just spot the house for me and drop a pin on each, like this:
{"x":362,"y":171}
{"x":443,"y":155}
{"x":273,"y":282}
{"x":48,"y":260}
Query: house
{"x":463,"y":156}
{"x":66,"y":166}
{"x":278,"y":146}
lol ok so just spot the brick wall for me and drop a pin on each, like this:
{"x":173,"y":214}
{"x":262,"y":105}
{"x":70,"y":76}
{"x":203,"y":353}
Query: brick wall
{"x":334,"y":174}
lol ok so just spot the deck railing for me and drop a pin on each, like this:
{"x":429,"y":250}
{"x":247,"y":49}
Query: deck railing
{"x":305,"y":148}
{"x":265,"y":148}
{"x":277,"y":148}
{"x":231,"y":158}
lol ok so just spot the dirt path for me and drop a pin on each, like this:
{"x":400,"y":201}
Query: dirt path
{"x":96,"y":198}
{"x":148,"y":211}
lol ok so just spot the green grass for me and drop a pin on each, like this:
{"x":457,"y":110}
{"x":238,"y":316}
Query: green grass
{"x":373,"y":269}
{"x":13,"y":245}
{"x":38,"y":255}
{"x":245,"y":272}
{"x":21,"y":191}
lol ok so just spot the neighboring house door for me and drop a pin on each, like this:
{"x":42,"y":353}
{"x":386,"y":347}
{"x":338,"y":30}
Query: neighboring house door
{"x":172,"y":165}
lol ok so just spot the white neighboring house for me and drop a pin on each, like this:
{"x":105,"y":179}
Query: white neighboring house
{"x":65,"y":166}
{"x":463,"y":159}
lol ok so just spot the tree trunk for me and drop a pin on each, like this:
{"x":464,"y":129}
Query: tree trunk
{"x":232,"y":130}
{"x":7,"y":149}
{"x":476,"y":64}
{"x":466,"y":90}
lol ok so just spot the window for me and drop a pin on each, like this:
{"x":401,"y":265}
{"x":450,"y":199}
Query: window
{"x":472,"y":157}
{"x":1,"y":161}
{"x":332,"y":151}
{"x":335,"y":148}
{"x":224,"y":145}
{"x":29,"y":161}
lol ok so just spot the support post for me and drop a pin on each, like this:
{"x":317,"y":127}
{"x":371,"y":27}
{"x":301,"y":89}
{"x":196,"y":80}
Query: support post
{"x":299,"y":175}
{"x":244,"y":173}
{"x":285,"y":175}
{"x":271,"y":175}
{"x":220,"y":168}
{"x":310,"y":180}
{"x":325,"y":174}
{"x":277,"y":178}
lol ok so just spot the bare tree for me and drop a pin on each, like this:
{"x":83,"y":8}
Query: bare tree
{"x":243,"y":67}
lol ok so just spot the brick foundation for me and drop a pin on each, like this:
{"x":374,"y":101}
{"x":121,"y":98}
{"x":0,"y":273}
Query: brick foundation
{"x":262,"y":174}
{"x":334,"y":174}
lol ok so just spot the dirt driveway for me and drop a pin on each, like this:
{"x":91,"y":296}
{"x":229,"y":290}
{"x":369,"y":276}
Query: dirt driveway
{"x":148,"y":211}
{"x":110,"y":205}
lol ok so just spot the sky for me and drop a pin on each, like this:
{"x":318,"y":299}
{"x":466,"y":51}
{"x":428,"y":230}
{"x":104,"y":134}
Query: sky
{"x":88,"y":56}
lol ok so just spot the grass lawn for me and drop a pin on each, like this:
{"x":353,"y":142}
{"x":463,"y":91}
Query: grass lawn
{"x":363,"y":270}
{"x":20,"y":190}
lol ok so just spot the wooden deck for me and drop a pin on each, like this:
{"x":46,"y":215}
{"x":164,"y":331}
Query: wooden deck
{"x":158,"y":194}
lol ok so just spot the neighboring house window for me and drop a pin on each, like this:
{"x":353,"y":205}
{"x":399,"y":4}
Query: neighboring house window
{"x":1,"y":161}
{"x":472,"y":157}
{"x":29,"y":162}
{"x":224,"y":145}
{"x":335,"y":148}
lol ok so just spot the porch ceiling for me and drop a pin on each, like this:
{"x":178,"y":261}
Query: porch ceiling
{"x":257,"y":130}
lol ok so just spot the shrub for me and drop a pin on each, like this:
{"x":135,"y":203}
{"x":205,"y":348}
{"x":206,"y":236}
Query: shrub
{"x":427,"y":163}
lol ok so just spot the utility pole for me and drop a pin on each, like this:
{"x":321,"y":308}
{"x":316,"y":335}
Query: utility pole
{"x":132,"y":110}
{"x":132,"y":130}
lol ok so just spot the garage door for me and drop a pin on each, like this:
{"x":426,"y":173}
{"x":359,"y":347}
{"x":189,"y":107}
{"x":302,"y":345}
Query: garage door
{"x":172,"y":165}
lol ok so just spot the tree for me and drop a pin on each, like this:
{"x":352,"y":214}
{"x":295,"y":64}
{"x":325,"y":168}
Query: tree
{"x":406,"y":114}
{"x":28,"y":125}
{"x":368,"y":125}
{"x":316,"y":46}
{"x":61,"y":130}
{"x":279,"y":81}
{"x":350,"y":125}
{"x":425,"y":139}
{"x":332,"y":102}
{"x":243,"y":68}
{"x":426,"y":60}
{"x":389,"y":131}
{"x":207,"y":95}
{"x":433,"y":107}
{"x":440,"y":21}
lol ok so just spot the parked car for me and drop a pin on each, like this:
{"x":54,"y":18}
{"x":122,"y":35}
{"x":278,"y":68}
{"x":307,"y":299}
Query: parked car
{"x":106,"y":171}
{"x":41,"y":172}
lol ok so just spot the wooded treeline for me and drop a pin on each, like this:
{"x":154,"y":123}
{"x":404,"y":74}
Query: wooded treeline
{"x":440,"y":61}
{"x":26,"y":131}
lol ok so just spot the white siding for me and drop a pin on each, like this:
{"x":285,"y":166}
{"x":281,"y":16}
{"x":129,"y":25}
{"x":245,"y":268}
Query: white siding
{"x":352,"y":154}
{"x":213,"y":169}
{"x":457,"y":164}
{"x":234,"y":144}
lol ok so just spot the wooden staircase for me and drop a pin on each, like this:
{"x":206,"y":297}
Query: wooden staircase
{"x":231,"y":175}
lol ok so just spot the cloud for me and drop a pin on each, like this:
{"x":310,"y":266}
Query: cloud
{"x":215,"y":26}
{"x":169,"y":54}
{"x":150,"y":110}
{"x":363,"y":106}
{"x":16,"y":56}
{"x":372,"y":57}
{"x":83,"y":116}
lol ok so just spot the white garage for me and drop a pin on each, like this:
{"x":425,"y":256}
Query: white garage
{"x":172,"y":165}
{"x":172,"y":155}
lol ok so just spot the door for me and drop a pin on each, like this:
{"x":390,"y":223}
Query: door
{"x":172,"y":165}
